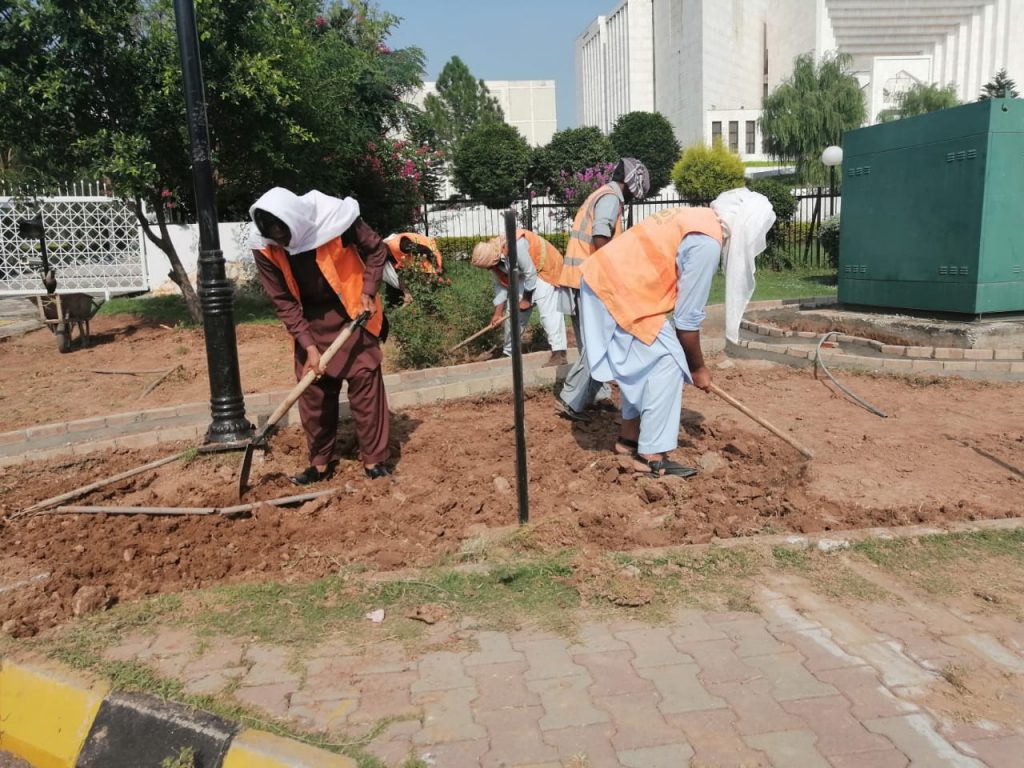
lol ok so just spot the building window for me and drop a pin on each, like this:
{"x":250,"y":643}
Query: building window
{"x":734,"y":135}
{"x":751,"y":137}
{"x":716,"y":132}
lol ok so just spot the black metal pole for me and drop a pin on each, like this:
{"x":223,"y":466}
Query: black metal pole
{"x":227,"y":405}
{"x":517,"y":369}
{"x":832,"y":190}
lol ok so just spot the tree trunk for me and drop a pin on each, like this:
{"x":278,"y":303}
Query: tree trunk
{"x":177,"y":273}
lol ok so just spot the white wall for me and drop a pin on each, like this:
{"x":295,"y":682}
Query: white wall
{"x":185,"y":237}
{"x":742,"y":117}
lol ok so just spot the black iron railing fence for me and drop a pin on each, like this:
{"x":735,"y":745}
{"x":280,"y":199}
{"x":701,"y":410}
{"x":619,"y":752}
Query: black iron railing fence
{"x":795,"y":242}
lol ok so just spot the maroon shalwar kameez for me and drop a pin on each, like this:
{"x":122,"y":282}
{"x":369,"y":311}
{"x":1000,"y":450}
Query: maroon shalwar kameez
{"x":317,"y":317}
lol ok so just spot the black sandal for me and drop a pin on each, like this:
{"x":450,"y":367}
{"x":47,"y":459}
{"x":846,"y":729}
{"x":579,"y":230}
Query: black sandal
{"x":311,"y":475}
{"x":664,"y":468}
{"x":377,"y":470}
{"x":566,"y":412}
{"x":629,"y":445}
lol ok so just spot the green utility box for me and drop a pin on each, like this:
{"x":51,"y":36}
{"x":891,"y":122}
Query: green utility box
{"x":933,"y":212}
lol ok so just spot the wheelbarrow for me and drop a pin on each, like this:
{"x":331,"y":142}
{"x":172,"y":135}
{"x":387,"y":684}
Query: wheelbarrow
{"x":62,"y":312}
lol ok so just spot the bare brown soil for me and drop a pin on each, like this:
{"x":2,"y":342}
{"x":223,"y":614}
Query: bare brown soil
{"x":951,"y":450}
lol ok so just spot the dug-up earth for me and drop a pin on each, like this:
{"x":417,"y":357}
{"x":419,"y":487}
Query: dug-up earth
{"x":949,"y":450}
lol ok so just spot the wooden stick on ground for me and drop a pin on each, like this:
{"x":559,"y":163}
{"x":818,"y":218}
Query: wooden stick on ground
{"x":807,"y":452}
{"x":122,"y":373}
{"x":55,"y":500}
{"x":477,"y":335}
{"x":232,"y":510}
{"x":157,"y":383}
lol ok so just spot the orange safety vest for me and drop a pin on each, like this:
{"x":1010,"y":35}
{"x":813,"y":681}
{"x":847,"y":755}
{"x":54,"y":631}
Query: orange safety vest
{"x":635,"y":275}
{"x":403,"y":259}
{"x":342,"y":267}
{"x":545,"y":257}
{"x":581,"y":238}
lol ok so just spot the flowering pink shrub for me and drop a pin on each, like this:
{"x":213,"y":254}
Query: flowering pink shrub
{"x":396,"y":176}
{"x":574,"y":188}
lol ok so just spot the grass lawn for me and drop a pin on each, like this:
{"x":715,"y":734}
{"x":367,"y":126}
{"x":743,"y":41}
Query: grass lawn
{"x":788,"y":284}
{"x":249,"y":308}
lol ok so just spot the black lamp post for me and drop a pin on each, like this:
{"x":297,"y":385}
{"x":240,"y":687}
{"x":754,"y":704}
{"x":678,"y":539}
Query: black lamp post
{"x":832,"y":156}
{"x":216,"y":294}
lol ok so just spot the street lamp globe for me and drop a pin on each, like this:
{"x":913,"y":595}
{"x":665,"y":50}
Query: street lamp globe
{"x":832,"y":156}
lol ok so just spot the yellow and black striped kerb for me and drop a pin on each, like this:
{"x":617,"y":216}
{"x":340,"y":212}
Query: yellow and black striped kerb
{"x":57,"y":718}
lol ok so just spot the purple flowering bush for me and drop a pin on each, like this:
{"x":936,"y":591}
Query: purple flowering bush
{"x":573,"y":189}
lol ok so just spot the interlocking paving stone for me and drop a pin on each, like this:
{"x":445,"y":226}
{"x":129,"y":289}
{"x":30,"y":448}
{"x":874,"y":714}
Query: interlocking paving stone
{"x":916,"y":737}
{"x":789,"y":677}
{"x":494,"y":648}
{"x":447,"y":717}
{"x":269,"y":665}
{"x":637,"y":721}
{"x":131,"y":648}
{"x":689,"y":626}
{"x":441,"y":671}
{"x":751,"y":637}
{"x":502,"y":686}
{"x":653,"y":647}
{"x":613,"y":673}
{"x":819,"y":650}
{"x":566,"y":702}
{"x":890,"y":758}
{"x":718,"y":662}
{"x":548,"y":657}
{"x":384,"y":695}
{"x":839,"y":733}
{"x":515,"y":732}
{"x":863,"y":688}
{"x":596,"y":638}
{"x":756,"y":709}
{"x":456,"y":754}
{"x":715,"y":741}
{"x":1000,"y":752}
{"x":790,"y":749}
{"x":668,"y":756}
{"x":895,"y":667}
{"x":272,"y":698}
{"x":208,"y":683}
{"x":591,"y":741}
{"x":680,"y":689}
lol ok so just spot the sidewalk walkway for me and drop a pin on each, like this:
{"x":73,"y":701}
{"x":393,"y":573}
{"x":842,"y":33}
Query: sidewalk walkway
{"x":802,"y":683}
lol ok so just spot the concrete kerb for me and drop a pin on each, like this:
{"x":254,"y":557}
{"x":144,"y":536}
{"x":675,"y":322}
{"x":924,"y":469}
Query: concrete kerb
{"x":54,"y":717}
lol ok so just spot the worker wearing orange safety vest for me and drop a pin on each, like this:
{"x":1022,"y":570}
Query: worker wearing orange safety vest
{"x":403,"y":248}
{"x":539,"y":264}
{"x":598,"y":222}
{"x":642,"y":300}
{"x":320,"y":265}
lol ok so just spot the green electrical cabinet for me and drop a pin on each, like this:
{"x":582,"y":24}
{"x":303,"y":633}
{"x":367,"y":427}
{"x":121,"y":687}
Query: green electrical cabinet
{"x":933,"y":212}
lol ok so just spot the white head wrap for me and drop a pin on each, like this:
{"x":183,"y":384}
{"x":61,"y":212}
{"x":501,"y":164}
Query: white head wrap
{"x":313,"y":219}
{"x":635,"y":176}
{"x":747,"y":216}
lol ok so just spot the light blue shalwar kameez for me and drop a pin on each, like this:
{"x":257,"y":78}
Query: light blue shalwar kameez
{"x":651,"y":376}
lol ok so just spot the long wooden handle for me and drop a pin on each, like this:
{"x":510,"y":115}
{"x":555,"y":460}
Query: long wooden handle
{"x":310,"y":376}
{"x":478,"y":334}
{"x":763,"y":422}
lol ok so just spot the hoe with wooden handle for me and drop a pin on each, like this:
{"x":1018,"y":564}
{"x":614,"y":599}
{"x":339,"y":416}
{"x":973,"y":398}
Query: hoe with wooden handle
{"x":260,"y":440}
{"x":807,"y":452}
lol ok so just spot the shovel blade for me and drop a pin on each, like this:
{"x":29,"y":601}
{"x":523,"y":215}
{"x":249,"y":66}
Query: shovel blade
{"x":243,"y":474}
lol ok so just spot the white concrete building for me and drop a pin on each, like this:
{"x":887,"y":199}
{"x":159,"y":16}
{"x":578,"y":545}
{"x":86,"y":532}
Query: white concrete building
{"x":528,"y":105}
{"x":707,"y":64}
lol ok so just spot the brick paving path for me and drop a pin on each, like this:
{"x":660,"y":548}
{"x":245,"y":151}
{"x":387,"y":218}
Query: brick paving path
{"x":802,"y":683}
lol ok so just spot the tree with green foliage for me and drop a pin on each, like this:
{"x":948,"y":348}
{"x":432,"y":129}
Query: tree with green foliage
{"x":812,"y":110}
{"x":570,"y":151}
{"x":703,"y":172}
{"x":491,"y":164}
{"x":999,"y":87}
{"x":461,"y":103}
{"x":647,"y":136}
{"x":295,"y":92}
{"x":919,"y":99}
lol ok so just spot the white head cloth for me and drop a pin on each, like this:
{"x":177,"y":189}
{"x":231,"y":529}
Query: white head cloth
{"x":313,"y":219}
{"x":747,"y":216}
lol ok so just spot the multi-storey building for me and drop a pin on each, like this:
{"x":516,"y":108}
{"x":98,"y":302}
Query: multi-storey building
{"x":707,"y":64}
